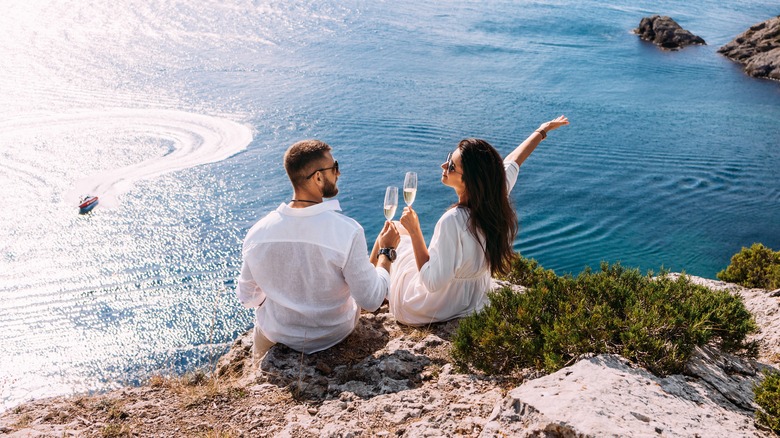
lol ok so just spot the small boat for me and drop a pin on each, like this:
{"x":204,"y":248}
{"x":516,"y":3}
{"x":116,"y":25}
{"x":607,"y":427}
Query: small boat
{"x":87,"y":204}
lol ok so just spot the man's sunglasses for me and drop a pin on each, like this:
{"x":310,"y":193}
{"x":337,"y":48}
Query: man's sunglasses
{"x":335,"y":167}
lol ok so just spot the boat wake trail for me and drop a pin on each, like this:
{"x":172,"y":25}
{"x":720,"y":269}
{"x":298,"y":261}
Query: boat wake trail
{"x":192,"y":140}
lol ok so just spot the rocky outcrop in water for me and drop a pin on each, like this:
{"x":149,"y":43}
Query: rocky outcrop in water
{"x":389,"y":380}
{"x":666,"y":33}
{"x":757,"y":49}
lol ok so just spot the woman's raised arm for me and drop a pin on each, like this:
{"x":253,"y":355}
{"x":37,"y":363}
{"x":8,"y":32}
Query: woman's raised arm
{"x":524,"y":150}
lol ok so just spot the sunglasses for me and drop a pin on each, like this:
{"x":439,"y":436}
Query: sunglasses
{"x":450,"y":164}
{"x":335,"y":167}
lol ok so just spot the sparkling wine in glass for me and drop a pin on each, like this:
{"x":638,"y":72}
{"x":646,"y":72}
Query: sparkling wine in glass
{"x":410,"y":187}
{"x":391,"y":202}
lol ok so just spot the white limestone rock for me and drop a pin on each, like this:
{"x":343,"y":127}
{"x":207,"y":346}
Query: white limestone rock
{"x":606,"y":396}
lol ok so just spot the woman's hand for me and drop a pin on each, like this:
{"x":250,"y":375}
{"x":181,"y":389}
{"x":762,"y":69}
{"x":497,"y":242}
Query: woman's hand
{"x":554,"y":124}
{"x":524,"y":150}
{"x":411,"y":222}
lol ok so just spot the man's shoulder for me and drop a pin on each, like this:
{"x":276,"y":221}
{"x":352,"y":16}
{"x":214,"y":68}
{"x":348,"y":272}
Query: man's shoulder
{"x":267,"y":220}
{"x":320,"y":227}
{"x":342,"y":220}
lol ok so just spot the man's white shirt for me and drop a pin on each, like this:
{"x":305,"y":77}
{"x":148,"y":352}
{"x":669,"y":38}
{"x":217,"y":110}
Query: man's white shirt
{"x":309,"y":269}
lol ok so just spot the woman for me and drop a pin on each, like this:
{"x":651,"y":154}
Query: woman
{"x":472,"y":240}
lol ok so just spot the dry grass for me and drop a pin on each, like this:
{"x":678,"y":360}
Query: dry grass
{"x":23,"y":421}
{"x":220,"y":433}
{"x":116,"y":431}
{"x":158,"y":381}
{"x":196,"y":389}
{"x":417,"y":333}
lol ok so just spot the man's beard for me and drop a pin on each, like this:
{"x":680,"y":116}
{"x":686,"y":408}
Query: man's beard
{"x":330,"y":190}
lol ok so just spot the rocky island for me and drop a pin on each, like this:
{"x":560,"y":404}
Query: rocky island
{"x":664,"y":32}
{"x":757,"y":49}
{"x":391,"y":380}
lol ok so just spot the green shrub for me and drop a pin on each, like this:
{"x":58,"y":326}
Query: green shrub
{"x":656,"y":322}
{"x":527,"y":272}
{"x":768,"y":399}
{"x":757,"y":266}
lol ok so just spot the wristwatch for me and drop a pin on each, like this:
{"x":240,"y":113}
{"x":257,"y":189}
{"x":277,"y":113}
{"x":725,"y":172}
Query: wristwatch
{"x":389,"y":252}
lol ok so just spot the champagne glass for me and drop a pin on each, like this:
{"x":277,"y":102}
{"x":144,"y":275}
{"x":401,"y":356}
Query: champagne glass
{"x":391,"y":202}
{"x":410,"y":187}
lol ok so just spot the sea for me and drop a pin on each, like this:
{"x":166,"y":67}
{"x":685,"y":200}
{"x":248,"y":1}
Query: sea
{"x":177,"y":114}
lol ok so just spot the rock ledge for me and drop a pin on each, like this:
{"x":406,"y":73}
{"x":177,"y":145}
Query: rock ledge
{"x":389,"y":380}
{"x":757,"y":49}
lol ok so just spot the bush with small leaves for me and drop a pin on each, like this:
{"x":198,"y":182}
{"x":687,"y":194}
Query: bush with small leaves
{"x":527,"y":272}
{"x":654,"y":321}
{"x":757,"y":266}
{"x":768,"y":399}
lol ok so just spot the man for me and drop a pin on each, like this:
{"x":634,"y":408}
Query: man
{"x":305,"y":266}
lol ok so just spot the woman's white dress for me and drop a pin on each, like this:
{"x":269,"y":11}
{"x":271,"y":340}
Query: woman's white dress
{"x":455,"y":280}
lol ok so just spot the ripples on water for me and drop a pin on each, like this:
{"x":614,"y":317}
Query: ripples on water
{"x":671,"y":158}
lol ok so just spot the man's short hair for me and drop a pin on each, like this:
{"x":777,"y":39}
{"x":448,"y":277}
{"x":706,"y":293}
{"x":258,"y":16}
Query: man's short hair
{"x":300,"y":156}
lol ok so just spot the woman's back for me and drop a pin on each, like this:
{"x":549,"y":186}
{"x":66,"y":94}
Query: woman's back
{"x":453,"y":283}
{"x":455,"y":280}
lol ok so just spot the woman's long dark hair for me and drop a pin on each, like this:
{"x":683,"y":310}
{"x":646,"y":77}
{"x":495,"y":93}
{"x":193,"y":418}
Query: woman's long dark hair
{"x":490,"y":210}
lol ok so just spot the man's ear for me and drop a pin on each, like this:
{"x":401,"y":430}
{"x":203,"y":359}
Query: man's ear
{"x":319,"y":180}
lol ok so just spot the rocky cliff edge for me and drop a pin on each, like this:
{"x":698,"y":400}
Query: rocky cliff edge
{"x":390,"y":380}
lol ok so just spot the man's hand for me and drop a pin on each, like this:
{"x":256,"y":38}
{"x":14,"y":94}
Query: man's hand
{"x":389,"y":236}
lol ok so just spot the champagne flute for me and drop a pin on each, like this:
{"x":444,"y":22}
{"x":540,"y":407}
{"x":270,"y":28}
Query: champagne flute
{"x":410,"y":187}
{"x":391,"y":202}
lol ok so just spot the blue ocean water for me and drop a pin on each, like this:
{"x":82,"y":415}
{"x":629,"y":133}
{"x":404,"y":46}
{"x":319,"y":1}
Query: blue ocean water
{"x":671,"y":158}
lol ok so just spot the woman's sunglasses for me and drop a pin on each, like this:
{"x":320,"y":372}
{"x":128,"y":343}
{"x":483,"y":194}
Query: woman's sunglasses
{"x":450,"y":164}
